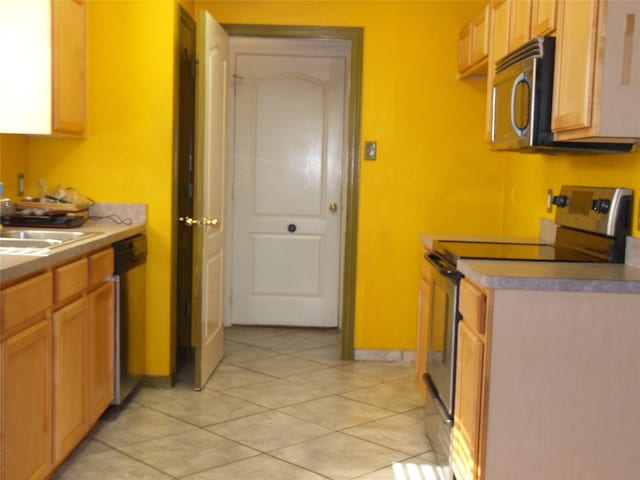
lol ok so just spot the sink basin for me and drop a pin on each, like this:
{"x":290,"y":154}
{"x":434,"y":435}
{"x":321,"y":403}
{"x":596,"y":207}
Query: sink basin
{"x":28,"y":243}
{"x":18,"y":241}
{"x":57,"y":236}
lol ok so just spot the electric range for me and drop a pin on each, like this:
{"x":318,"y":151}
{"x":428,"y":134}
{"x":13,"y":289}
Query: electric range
{"x":593,"y":223}
{"x":592,"y":226}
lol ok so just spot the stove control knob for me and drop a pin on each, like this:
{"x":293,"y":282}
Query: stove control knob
{"x":601,"y":205}
{"x":560,"y":200}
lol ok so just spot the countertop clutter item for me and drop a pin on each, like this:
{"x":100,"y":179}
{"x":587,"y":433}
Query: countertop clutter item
{"x":65,"y":208}
{"x":49,"y":220}
{"x":6,"y":207}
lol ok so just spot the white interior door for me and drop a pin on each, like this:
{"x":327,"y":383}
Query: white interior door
{"x":209,"y":243}
{"x":288,"y":155}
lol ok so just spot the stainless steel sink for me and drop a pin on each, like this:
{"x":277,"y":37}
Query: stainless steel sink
{"x":28,"y":243}
{"x":60,"y":236}
{"x":18,"y":241}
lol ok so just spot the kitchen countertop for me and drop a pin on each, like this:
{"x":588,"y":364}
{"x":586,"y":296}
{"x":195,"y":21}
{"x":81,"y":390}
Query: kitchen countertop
{"x":540,"y":275}
{"x":566,"y":276}
{"x":107,"y":232}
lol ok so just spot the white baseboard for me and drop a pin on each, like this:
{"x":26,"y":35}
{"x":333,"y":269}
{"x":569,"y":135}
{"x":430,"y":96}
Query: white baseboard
{"x":370,"y":355}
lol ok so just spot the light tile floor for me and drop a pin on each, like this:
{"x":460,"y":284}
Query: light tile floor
{"x":281,"y":405}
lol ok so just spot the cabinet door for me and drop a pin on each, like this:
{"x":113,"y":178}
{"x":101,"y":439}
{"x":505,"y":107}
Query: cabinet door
{"x":574,"y":65}
{"x":519,"y":23}
{"x":498,"y":47}
{"x":68,"y":66}
{"x":500,"y":22}
{"x":71,"y":280}
{"x":100,"y":267}
{"x":101,"y":315}
{"x":424,"y":312}
{"x":25,"y":404}
{"x":69,"y":374}
{"x":464,"y":48}
{"x":543,"y":17}
{"x":466,"y":424}
{"x":480,"y":35}
{"x":25,"y":303}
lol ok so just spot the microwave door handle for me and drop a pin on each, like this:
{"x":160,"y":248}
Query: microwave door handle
{"x":522,"y":78}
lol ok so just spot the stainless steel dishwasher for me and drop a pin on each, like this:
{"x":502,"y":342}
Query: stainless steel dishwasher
{"x":130,"y":256}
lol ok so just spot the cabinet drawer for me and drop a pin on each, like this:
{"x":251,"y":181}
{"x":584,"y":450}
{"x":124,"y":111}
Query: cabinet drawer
{"x":24,"y":303}
{"x":100,"y":267}
{"x":472,"y":306}
{"x":70,"y":280}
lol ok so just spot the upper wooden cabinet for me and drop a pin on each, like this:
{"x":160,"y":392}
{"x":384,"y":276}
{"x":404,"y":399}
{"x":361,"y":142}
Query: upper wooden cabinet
{"x":498,"y":48}
{"x":499,"y":41}
{"x":529,"y":19}
{"x":519,"y":23}
{"x":543,"y":17}
{"x":43,"y":62}
{"x":596,"y":94}
{"x":473,"y":45}
{"x":501,"y":27}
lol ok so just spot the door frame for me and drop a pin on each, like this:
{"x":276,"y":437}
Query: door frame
{"x":351,"y":168}
{"x":182,"y":17}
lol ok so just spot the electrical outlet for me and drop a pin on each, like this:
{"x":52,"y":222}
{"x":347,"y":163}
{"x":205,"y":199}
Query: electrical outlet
{"x":21,"y":185}
{"x":549,"y":200}
{"x":370,"y":150}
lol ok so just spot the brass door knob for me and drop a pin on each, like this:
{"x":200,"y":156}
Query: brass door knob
{"x":214,"y":222}
{"x":333,"y":206}
{"x":188,"y":221}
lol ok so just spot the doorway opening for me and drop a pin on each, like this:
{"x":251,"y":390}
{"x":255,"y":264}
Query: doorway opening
{"x":183,"y":173}
{"x":354,"y":36}
{"x":184,"y":139}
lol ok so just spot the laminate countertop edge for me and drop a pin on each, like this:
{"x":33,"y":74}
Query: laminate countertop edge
{"x":13,"y":267}
{"x":560,"y":276}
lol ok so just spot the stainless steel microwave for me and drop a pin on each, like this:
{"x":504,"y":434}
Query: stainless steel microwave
{"x":521,"y":103}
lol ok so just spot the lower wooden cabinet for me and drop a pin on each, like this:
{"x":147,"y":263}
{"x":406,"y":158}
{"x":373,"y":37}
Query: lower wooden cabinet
{"x":101,"y":337}
{"x":466,"y":430}
{"x":70,"y":354}
{"x":470,"y":384}
{"x":56,"y":363}
{"x":25,"y":403}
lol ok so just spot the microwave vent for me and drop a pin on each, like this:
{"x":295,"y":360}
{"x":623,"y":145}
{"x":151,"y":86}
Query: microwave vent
{"x":532,"y":49}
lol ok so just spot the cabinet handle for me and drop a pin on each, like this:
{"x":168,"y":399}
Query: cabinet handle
{"x":627,"y":48}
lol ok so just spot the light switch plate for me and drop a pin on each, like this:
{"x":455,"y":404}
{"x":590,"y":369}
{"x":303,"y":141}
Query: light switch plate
{"x":370,"y":150}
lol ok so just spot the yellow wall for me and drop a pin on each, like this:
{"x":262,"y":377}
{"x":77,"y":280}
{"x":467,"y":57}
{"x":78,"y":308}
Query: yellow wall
{"x":127,"y":154}
{"x":433,"y":171}
{"x":529,"y":176}
{"x":13,"y":160}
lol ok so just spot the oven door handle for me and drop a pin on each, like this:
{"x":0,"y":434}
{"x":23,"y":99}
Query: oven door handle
{"x":439,"y":265}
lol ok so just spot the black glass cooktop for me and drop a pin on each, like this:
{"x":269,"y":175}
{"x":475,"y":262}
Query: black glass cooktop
{"x":454,"y":251}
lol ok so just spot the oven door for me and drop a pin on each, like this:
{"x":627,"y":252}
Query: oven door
{"x":441,"y":347}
